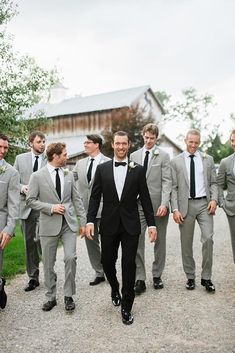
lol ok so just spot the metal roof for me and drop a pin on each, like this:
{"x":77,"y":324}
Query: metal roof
{"x":103,"y":101}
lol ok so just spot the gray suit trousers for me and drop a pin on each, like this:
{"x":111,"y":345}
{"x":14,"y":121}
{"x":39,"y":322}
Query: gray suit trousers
{"x":197,"y":211}
{"x":94,"y":250}
{"x":159,"y":248}
{"x":231,"y":222}
{"x":49,"y":248}
{"x":33,"y":248}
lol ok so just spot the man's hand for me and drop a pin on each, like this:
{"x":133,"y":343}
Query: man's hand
{"x":4,"y":239}
{"x":212,"y":207}
{"x":60,"y":209}
{"x":178,"y":218}
{"x":90,"y":231}
{"x":24,"y":189}
{"x":161,"y":211}
{"x":82,"y":231}
{"x":152,"y":232}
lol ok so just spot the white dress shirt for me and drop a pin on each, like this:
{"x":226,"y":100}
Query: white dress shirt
{"x":52,"y":172}
{"x":199,"y":173}
{"x":120,"y":176}
{"x":96,"y":162}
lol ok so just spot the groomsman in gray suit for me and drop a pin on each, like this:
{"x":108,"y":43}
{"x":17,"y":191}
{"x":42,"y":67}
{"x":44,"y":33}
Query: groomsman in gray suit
{"x":26,"y":164}
{"x":84,"y":172}
{"x":194,"y":198}
{"x":9,"y":207}
{"x":226,"y":179}
{"x":158,"y":175}
{"x":53,"y":193}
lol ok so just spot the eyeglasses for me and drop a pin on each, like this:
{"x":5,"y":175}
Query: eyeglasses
{"x":88,"y":142}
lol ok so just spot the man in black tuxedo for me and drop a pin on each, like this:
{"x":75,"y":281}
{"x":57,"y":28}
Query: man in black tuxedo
{"x":120,"y":182}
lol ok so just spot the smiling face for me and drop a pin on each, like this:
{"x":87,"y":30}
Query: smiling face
{"x":91,"y":148}
{"x":3,"y":148}
{"x":120,"y":147}
{"x":192,"y":142}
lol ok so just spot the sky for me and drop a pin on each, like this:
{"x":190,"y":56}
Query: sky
{"x":106,"y":45}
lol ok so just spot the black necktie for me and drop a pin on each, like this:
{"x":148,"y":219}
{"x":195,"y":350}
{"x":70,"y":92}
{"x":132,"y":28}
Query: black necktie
{"x":117,"y":164}
{"x":146,"y":161}
{"x":90,"y":170}
{"x":35,"y":166}
{"x":57,"y":183}
{"x":192,"y":177}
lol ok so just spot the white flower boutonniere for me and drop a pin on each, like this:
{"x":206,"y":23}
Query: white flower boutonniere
{"x":3,"y":169}
{"x":204,"y":155}
{"x":131,"y":165}
{"x":66,"y":171}
{"x":155,"y":153}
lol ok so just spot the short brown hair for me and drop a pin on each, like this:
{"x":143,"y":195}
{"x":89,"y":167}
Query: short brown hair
{"x":232,"y":133}
{"x":55,"y":148}
{"x":193,"y":132}
{"x":152,"y":128}
{"x":95,"y":139}
{"x":4,"y":137}
{"x":121,"y":133}
{"x":34,"y":134}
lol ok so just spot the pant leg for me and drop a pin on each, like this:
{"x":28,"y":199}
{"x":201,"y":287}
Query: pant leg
{"x":1,"y":260}
{"x":140,"y":255}
{"x":231,"y":222}
{"x":160,"y":246}
{"x":205,"y":222}
{"x":94,"y":251}
{"x":109,"y":254}
{"x":69,"y":240}
{"x":32,"y":247}
{"x":49,"y":246}
{"x":129,"y":245}
{"x":186,"y":237}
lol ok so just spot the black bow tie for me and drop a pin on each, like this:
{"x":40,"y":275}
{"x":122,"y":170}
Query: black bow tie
{"x":117,"y":164}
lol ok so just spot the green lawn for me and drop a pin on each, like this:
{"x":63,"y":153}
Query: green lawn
{"x":14,"y":256}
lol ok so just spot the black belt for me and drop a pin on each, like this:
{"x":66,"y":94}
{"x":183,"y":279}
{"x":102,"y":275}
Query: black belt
{"x":197,"y":198}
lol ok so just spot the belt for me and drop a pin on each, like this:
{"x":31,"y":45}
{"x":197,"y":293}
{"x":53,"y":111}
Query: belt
{"x":197,"y":198}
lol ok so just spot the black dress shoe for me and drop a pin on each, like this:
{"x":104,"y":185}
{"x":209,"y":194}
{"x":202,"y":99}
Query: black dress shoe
{"x":140,"y":287}
{"x":3,"y":296}
{"x":31,"y":285}
{"x":127,"y":318}
{"x":116,"y":298}
{"x":190,"y":284}
{"x":97,"y":280}
{"x":49,"y":305}
{"x":69,"y":303}
{"x":157,"y":283}
{"x":208,"y":284}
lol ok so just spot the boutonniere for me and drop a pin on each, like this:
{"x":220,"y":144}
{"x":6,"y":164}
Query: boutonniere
{"x":155,"y":153}
{"x":3,"y":169}
{"x":66,"y":171}
{"x":131,"y":165}
{"x":204,"y":155}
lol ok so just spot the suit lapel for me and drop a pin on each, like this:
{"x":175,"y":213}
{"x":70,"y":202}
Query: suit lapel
{"x":182,"y":162}
{"x":49,"y":182}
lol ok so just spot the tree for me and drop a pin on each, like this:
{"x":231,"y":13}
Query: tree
{"x":131,"y":120}
{"x":22,"y":82}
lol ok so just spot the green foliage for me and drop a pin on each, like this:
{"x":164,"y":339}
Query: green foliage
{"x":132,"y":120}
{"x":14,"y":256}
{"x":219,"y":150}
{"x":22,"y":82}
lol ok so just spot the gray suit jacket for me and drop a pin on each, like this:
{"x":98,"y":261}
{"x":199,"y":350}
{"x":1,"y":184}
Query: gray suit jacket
{"x":9,"y":199}
{"x":80,"y":175}
{"x":226,"y":179}
{"x":42,"y":196}
{"x":23,"y":164}
{"x":158,"y":176}
{"x":180,"y":183}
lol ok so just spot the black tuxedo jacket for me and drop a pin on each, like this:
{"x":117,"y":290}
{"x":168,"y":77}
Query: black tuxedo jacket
{"x":124,"y":210}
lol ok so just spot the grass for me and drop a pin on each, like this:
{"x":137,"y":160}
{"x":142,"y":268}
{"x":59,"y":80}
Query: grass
{"x":14,"y":256}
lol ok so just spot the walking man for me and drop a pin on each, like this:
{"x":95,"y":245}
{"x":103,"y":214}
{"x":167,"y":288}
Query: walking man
{"x":226,"y":179}
{"x":53,"y":193}
{"x":84,"y":172}
{"x":194,"y":198}
{"x":26,"y":164}
{"x":120,"y":182}
{"x":158,"y":175}
{"x":9,"y":207}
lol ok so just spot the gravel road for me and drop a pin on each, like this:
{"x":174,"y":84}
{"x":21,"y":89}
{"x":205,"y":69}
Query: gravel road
{"x":171,"y":320}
